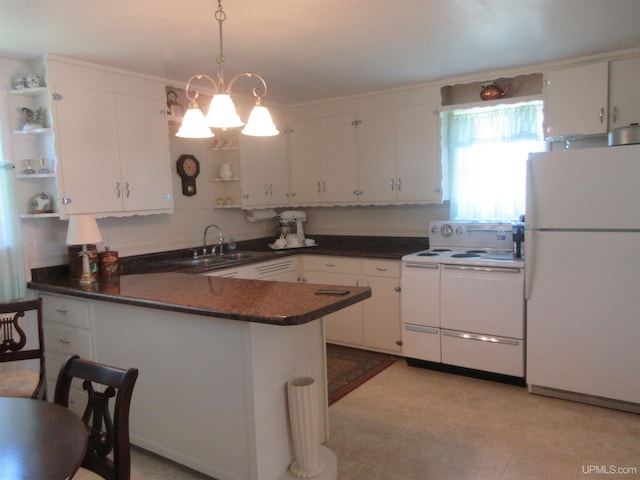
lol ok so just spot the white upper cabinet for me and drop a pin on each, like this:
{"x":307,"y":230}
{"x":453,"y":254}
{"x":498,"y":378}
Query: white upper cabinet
{"x":376,"y":157}
{"x":87,"y":145}
{"x":144,"y":154}
{"x":265,"y":174}
{"x":337,"y":156}
{"x":417,"y":154}
{"x":306,"y":170}
{"x":624,"y":94}
{"x":322,"y":159}
{"x":111,"y":140}
{"x":575,"y":101}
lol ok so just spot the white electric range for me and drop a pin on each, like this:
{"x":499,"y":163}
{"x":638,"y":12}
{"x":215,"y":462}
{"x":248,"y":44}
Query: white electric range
{"x":471,"y":243}
{"x":462,"y":300}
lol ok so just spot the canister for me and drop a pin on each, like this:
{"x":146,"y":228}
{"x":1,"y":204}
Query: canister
{"x":108,"y":262}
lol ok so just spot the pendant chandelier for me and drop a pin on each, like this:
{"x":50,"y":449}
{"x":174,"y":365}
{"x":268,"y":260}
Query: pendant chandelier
{"x":222,"y":111}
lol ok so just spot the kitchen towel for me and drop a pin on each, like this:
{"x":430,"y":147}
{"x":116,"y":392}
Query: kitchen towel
{"x":259,"y":215}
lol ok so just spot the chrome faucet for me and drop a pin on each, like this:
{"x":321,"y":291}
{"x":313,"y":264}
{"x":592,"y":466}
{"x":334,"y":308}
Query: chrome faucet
{"x":220,"y":240}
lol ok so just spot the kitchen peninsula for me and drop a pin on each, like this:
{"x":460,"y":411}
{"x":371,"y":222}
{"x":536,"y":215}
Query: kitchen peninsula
{"x":214,"y":356}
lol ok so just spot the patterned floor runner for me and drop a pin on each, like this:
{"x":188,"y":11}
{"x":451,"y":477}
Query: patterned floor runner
{"x":348,"y":368}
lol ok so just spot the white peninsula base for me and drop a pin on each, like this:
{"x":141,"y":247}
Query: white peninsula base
{"x":211,"y":393}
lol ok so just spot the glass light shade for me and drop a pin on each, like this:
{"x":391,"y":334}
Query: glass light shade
{"x":222,"y":113}
{"x":260,"y":123}
{"x":194,"y":125}
{"x":83,"y":229}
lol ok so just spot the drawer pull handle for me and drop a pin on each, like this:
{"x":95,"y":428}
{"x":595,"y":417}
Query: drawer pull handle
{"x":65,"y":342}
{"x":61,"y":310}
{"x":329,"y":265}
{"x":381,"y":269}
{"x":481,"y":338}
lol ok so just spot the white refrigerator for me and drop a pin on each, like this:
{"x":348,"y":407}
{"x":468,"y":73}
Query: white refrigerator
{"x":582,"y":254}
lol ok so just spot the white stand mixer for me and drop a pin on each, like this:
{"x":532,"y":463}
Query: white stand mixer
{"x":297,"y":216}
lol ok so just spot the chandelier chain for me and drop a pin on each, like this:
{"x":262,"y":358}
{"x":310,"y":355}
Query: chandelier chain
{"x":220,"y":16}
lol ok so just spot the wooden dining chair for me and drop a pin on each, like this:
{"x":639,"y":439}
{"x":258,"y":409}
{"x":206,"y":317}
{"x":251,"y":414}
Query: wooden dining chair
{"x":109,"y":451}
{"x":14,"y":318}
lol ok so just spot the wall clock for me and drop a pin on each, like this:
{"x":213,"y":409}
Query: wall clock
{"x":188,"y":169}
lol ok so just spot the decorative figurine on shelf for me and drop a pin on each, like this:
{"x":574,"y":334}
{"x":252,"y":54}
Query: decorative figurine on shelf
{"x":175,"y":108}
{"x":32,"y":120}
{"x":40,"y":204}
{"x":225,"y":171}
{"x":31,"y":81}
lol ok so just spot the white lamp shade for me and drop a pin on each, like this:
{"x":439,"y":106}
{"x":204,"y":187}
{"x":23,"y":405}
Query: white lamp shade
{"x":194,"y":125}
{"x":222,"y":113}
{"x":83,"y":230}
{"x":260,"y":123}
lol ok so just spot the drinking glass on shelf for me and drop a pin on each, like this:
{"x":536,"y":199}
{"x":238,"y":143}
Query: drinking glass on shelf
{"x":43,"y":166}
{"x":29,"y":164}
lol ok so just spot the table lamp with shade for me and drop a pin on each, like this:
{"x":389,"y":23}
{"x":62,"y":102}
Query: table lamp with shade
{"x":83,"y":230}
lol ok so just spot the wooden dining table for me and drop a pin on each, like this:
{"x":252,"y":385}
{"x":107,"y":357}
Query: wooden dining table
{"x":39,"y":440}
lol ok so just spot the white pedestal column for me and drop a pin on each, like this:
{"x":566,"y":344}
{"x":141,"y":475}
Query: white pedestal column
{"x":302,"y":393}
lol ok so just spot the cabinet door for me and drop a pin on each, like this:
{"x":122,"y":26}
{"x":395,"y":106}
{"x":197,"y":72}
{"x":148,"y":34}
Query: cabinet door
{"x":87,"y":149}
{"x":343,"y":326}
{"x":624,"y":97}
{"x":306,"y":169}
{"x":376,"y":157}
{"x":575,"y":100}
{"x":265,"y":173}
{"x":381,"y":314}
{"x":338,"y":157}
{"x":143,"y":141}
{"x":418,"y":165}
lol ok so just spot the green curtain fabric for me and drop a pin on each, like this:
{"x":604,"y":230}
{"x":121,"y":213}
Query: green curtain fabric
{"x":13,"y":283}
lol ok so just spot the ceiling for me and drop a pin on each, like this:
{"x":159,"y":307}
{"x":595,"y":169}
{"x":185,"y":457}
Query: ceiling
{"x":314,"y":49}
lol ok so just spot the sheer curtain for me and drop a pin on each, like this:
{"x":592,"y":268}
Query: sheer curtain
{"x":487,"y":151}
{"x":13,"y":282}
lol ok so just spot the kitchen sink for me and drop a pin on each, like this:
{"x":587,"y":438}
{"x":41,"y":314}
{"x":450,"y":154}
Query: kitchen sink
{"x":214,"y":259}
{"x":240,"y":255}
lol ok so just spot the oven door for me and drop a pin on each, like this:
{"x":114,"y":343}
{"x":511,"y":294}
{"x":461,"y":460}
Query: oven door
{"x":482,"y":318}
{"x":488,"y":300}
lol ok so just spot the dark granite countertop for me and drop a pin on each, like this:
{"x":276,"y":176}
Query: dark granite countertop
{"x":157,"y":281}
{"x":275,"y":303}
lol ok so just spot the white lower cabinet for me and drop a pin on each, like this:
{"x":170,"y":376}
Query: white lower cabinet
{"x":67,"y":331}
{"x":381,"y":312}
{"x":373,"y":324}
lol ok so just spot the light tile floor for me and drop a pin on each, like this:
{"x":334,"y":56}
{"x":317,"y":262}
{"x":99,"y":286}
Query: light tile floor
{"x":414,"y":424}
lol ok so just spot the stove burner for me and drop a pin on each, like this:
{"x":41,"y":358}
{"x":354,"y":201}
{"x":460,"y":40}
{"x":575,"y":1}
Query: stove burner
{"x":428,"y":254}
{"x":465,"y":255}
{"x":476,"y":251}
{"x":441,"y":250}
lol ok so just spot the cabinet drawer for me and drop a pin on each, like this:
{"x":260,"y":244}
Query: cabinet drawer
{"x":65,"y":310}
{"x":331,"y":264}
{"x":501,"y":355}
{"x":381,"y":268}
{"x":66,"y":340}
{"x":420,"y":342}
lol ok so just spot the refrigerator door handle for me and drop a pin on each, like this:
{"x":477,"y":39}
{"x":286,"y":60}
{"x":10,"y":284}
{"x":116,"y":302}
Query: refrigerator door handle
{"x":530,"y":261}
{"x":530,"y":222}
